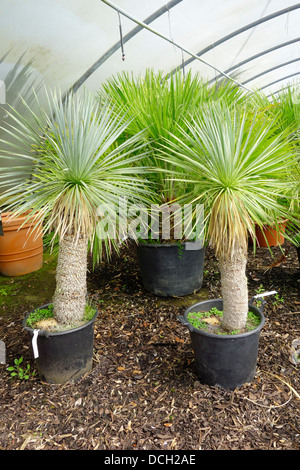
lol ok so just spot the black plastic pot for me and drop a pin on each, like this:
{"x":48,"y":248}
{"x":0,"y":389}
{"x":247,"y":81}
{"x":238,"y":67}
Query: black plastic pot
{"x":63,"y":356}
{"x":298,"y":252}
{"x":171,"y":269}
{"x":226,"y":361}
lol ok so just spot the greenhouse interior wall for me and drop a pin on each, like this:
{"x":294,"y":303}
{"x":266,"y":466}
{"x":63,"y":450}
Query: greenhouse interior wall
{"x":70,"y":45}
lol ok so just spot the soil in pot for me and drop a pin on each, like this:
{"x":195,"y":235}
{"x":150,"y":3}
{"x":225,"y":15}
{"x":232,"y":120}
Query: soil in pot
{"x":224,"y":360}
{"x":211,"y":322}
{"x":171,"y":269}
{"x":61,"y":354}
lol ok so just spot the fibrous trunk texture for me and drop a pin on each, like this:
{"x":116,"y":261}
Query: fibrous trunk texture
{"x":71,"y":288}
{"x":234,"y":291}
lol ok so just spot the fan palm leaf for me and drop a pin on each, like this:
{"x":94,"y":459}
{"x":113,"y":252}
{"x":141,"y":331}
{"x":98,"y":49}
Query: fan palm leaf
{"x":160,"y":105}
{"x":76,"y":164}
{"x":77,"y":167}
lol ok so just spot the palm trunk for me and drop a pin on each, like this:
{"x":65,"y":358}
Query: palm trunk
{"x":234,"y":292}
{"x":70,"y":295}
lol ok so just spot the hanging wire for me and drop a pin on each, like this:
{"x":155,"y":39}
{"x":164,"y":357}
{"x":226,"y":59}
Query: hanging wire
{"x":172,"y":41}
{"x":121,"y":37}
{"x":182,"y":66}
{"x":196,"y":57}
{"x":170,"y":28}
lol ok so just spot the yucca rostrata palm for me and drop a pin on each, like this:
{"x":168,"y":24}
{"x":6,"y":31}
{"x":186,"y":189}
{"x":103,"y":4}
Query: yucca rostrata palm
{"x":239,"y":167}
{"x":75,"y":167}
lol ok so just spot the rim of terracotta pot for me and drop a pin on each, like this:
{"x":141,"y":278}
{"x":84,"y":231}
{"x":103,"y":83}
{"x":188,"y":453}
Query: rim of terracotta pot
{"x":272,"y":227}
{"x":9,"y":220}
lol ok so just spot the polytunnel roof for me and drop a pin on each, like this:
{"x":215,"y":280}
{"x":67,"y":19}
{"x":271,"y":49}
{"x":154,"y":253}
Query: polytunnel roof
{"x":81,"y":43}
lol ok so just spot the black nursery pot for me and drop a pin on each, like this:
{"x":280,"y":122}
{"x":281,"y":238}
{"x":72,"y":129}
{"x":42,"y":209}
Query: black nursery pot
{"x":226,"y":361}
{"x":298,"y":252}
{"x":171,"y":269}
{"x":64,"y":356}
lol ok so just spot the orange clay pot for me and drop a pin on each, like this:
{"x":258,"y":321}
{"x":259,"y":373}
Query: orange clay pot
{"x":270,"y":234}
{"x":21,"y":247}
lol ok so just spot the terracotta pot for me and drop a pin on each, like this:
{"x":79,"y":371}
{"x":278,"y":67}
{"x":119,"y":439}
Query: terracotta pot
{"x":271,"y":235}
{"x":21,"y":247}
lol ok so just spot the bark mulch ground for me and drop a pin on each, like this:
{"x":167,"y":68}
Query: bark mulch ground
{"x":143,"y":392}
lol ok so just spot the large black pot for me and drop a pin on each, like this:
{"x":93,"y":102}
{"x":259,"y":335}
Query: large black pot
{"x":171,"y":269}
{"x":63,"y":356}
{"x":298,"y":252}
{"x":226,"y":361}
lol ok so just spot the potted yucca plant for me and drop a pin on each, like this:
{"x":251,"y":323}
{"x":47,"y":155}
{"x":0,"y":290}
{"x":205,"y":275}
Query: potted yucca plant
{"x":75,"y":167}
{"x":171,"y":261}
{"x":239,"y":165}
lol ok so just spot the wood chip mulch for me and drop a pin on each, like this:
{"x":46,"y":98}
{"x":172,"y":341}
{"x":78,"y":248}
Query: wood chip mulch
{"x":143,"y":392}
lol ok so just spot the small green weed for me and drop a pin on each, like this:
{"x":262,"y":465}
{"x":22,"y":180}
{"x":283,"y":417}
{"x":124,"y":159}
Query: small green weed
{"x":278,"y":300}
{"x":45,"y":313}
{"x":259,"y":291}
{"x":149,"y":240}
{"x":200,"y":321}
{"x":39,"y":314}
{"x":253,"y":319}
{"x":18,"y":371}
{"x":180,"y":249}
{"x":89,"y":312}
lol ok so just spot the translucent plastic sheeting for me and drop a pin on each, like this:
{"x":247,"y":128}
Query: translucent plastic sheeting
{"x":77,"y":44}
